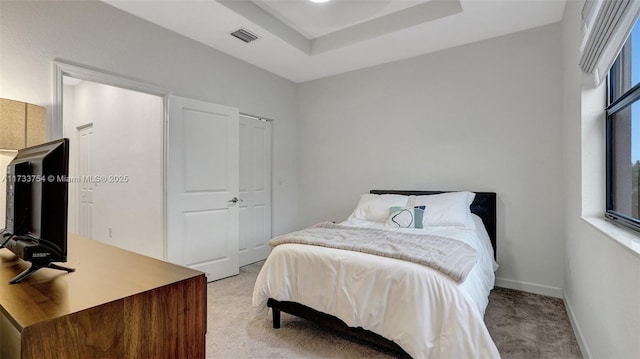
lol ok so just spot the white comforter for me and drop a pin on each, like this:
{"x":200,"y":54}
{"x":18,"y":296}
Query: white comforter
{"x":428,"y":314}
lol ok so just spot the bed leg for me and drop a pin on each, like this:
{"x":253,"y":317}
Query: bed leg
{"x":276,"y":318}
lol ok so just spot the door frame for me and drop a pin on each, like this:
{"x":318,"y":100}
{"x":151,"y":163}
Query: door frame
{"x":63,"y":68}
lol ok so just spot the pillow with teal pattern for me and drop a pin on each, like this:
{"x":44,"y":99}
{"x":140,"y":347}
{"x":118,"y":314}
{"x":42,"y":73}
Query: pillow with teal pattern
{"x":406,"y":217}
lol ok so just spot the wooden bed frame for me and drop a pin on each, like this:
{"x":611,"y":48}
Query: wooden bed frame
{"x":484,"y":206}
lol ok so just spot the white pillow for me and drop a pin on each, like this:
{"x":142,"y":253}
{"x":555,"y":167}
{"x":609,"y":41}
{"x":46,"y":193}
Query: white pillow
{"x":375,"y":207}
{"x":446,"y":209}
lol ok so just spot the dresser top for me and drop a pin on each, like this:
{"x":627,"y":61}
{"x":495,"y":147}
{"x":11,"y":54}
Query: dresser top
{"x":103,"y":274}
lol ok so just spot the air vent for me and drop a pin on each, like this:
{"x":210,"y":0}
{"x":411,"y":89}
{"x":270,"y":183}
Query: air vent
{"x":244,"y":35}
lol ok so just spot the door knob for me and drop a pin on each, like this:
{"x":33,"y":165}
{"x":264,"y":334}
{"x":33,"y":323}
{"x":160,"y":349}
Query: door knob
{"x":234,"y":200}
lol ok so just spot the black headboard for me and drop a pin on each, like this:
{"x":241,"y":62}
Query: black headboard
{"x":484,"y":206}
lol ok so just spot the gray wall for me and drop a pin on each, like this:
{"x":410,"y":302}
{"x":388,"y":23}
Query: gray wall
{"x":484,"y":116}
{"x":602,"y":277}
{"x":119,"y":210}
{"x":91,"y":33}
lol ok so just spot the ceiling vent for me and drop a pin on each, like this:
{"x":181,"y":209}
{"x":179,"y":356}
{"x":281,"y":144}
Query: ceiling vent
{"x":244,"y":35}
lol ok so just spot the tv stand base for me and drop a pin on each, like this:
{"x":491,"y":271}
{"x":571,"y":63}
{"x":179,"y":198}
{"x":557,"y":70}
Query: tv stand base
{"x":36,"y":266}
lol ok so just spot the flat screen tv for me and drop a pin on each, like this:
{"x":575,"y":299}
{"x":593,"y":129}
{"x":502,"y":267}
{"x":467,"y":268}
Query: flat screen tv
{"x":37,"y":200}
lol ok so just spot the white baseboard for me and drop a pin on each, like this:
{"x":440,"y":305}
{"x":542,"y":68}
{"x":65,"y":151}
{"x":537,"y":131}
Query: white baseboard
{"x":530,"y":287}
{"x":576,"y":330}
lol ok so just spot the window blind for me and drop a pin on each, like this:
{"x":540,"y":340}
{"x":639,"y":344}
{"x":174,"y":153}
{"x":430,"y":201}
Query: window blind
{"x":607,"y":24}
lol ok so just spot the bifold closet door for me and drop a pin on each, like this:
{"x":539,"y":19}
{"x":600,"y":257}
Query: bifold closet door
{"x":255,"y":189}
{"x":202,"y":187}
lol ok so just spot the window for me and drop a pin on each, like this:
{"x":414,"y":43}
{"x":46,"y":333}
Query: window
{"x":623,"y":135}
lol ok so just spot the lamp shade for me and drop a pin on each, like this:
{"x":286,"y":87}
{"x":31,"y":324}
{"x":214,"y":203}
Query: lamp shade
{"x":21,"y":124}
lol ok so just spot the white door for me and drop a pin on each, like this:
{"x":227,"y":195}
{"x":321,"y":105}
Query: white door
{"x":255,"y":189}
{"x":86,"y":186}
{"x":202,"y":187}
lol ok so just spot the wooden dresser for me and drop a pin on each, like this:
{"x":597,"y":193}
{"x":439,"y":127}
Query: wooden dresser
{"x":117,"y":304}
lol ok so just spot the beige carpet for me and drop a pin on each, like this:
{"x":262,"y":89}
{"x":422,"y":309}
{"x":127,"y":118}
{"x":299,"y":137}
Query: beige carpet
{"x":523,"y":325}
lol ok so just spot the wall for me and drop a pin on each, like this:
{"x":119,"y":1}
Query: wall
{"x":127,"y":140}
{"x":484,"y":116}
{"x":602,"y":284}
{"x":92,"y":33}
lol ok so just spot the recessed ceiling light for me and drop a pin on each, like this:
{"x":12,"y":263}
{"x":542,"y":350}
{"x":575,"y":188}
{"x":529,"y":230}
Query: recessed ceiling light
{"x":319,"y":1}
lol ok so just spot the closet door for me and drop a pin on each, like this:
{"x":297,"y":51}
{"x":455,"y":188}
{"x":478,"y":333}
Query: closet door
{"x":255,"y":189}
{"x":202,"y":187}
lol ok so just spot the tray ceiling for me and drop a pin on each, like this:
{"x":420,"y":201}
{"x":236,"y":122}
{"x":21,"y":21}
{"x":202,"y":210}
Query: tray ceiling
{"x":301,"y":40}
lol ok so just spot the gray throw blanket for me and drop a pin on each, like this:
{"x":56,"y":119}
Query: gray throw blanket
{"x":449,"y":256}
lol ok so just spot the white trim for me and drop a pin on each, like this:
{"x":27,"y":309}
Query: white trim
{"x":259,"y":118}
{"x":582,"y":343}
{"x":530,"y":287}
{"x":63,"y":68}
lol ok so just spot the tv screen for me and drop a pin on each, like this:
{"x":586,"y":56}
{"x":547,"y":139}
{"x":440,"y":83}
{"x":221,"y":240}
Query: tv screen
{"x":37,"y":201}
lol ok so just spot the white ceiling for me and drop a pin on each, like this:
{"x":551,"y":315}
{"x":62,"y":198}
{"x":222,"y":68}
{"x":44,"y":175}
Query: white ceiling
{"x":301,"y":41}
{"x":313,"y":20}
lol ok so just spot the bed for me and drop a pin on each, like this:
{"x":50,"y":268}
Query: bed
{"x":401,"y":306}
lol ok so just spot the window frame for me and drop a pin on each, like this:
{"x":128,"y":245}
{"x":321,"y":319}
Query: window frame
{"x":616,"y":105}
